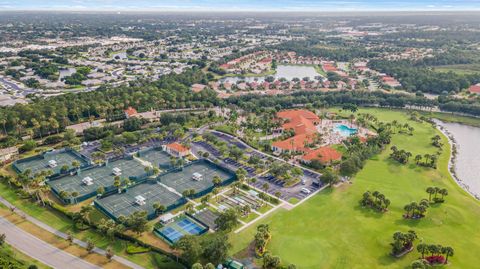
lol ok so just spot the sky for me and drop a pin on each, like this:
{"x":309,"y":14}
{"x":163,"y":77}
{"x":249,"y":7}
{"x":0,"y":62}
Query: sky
{"x":241,"y":5}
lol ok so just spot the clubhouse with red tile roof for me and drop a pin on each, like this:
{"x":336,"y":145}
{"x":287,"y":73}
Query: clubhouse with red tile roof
{"x":303,"y":123}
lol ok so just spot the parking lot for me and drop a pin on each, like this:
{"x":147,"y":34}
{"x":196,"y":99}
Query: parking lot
{"x":309,"y":180}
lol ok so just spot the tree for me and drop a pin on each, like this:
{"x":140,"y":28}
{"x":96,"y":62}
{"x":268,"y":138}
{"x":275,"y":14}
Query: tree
{"x":209,"y":266}
{"x":190,"y":248}
{"x":227,"y":220}
{"x":430,"y":191}
{"x":159,"y":208}
{"x":85,"y":212}
{"x":3,"y":238}
{"x":109,"y":253}
{"x":418,"y":264}
{"x":100,"y":191}
{"x":448,"y":251}
{"x":137,"y":222}
{"x":422,"y":248}
{"x":215,"y":247}
{"x":70,"y":238}
{"x":241,"y":174}
{"x":271,"y":262}
{"x":216,"y":180}
{"x":443,"y":192}
{"x":329,"y":177}
{"x":197,"y":266}
{"x":90,"y":246}
{"x":74,"y":196}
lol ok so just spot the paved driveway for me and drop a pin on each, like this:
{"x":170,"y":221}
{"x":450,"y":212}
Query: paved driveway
{"x":40,"y":250}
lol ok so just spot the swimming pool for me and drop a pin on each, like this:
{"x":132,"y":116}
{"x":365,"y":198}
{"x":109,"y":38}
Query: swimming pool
{"x":344,"y":130}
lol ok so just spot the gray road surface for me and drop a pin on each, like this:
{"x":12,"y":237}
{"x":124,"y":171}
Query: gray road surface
{"x":40,"y":250}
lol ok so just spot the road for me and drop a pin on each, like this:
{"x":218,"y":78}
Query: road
{"x":63,"y":235}
{"x":40,"y":250}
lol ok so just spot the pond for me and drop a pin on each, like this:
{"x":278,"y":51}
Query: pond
{"x":66,"y":72}
{"x":467,"y":165}
{"x":121,"y":55}
{"x":283,"y":71}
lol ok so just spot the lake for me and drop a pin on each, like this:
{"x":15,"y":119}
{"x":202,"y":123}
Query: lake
{"x":66,"y":72}
{"x":121,"y":55}
{"x":467,"y":165}
{"x":283,"y":71}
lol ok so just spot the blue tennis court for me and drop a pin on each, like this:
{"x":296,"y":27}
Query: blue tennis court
{"x":190,"y":226}
{"x":184,"y":225}
{"x":172,"y":234}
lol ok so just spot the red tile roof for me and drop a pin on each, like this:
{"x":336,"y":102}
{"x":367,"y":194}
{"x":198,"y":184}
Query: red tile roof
{"x":130,"y":111}
{"x":290,"y":114}
{"x":177,"y":147}
{"x":295,"y":143}
{"x":323,"y":154}
{"x":302,"y":122}
{"x":474,"y":88}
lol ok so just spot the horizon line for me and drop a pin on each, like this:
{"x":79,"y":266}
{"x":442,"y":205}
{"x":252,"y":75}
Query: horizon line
{"x":177,"y":10}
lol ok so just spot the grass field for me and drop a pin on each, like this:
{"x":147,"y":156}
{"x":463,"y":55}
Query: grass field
{"x":331,"y":230}
{"x":459,"y":68}
{"x":7,"y":250}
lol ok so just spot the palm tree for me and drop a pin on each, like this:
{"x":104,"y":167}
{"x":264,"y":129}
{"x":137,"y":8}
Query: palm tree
{"x":430,"y":191}
{"x":422,"y":248}
{"x":216,"y":181}
{"x":85,"y":213}
{"x":265,"y":187}
{"x":117,"y":183}
{"x":74,"y":196}
{"x":448,"y":251}
{"x":215,"y":193}
{"x":408,"y":208}
{"x":443,"y":192}
{"x":159,"y":208}
{"x":418,"y":158}
{"x":437,"y":189}
{"x":386,"y":203}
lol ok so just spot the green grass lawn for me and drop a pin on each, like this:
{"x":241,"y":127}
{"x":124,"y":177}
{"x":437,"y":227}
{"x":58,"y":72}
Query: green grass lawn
{"x":9,"y":251}
{"x":462,"y":69}
{"x":331,"y":231}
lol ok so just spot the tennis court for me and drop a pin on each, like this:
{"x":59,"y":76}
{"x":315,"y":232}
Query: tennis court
{"x":102,"y":176}
{"x":40,"y":163}
{"x":185,"y":225}
{"x":207,"y":217}
{"x":182,"y":179}
{"x":156,"y":157}
{"x":125,"y":203}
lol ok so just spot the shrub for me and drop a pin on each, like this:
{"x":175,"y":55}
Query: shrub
{"x":53,"y":139}
{"x":135,"y":249}
{"x":28,"y":145}
{"x":436,"y":259}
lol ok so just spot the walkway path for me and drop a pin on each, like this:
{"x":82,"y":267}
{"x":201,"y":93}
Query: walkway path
{"x":65,"y":236}
{"x":41,"y":250}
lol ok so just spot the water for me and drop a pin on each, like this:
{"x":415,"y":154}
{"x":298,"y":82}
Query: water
{"x":344,"y":130}
{"x":122,"y":55}
{"x":66,"y":72}
{"x":283,"y":71}
{"x":467,"y":165}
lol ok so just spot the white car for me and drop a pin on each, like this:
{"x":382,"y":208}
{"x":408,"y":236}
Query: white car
{"x":305,"y":190}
